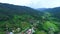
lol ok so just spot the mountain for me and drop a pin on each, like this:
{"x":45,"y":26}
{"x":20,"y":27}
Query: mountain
{"x":15,"y":16}
{"x":41,"y":9}
{"x":55,"y":12}
{"x":9,"y":10}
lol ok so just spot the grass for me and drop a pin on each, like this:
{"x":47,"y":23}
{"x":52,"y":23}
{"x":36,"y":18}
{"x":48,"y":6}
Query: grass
{"x":2,"y":32}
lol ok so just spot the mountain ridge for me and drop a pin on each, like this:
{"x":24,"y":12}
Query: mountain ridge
{"x":16,"y":8}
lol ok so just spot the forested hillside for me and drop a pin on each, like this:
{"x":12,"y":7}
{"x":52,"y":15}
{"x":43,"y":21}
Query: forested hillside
{"x":55,"y":12}
{"x":19,"y":19}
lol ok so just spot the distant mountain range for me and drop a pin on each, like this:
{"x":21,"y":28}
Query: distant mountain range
{"x":54,"y":11}
{"x":42,"y":9}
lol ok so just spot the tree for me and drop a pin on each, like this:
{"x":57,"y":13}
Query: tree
{"x":50,"y":26}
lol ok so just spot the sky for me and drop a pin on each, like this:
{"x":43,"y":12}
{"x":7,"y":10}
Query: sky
{"x":34,"y":3}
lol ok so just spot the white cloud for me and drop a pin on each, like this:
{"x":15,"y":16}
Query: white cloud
{"x":45,"y":3}
{"x":34,"y":3}
{"x":16,"y":2}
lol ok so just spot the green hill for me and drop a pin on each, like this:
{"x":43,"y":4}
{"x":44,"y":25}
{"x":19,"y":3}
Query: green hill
{"x":13,"y":16}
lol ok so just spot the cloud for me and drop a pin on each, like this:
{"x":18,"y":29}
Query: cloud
{"x":16,"y":2}
{"x":34,"y":3}
{"x":45,"y":3}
